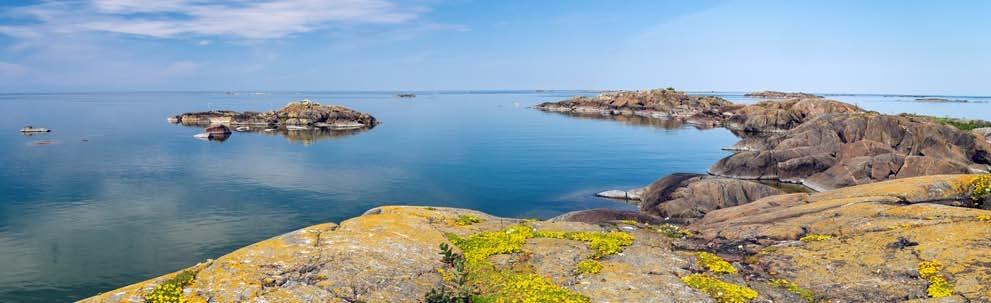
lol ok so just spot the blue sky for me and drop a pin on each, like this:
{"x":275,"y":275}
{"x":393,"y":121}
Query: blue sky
{"x":924,"y":47}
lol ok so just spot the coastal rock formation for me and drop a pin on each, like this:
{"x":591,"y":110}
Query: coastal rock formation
{"x":884,"y":242}
{"x":782,"y":115}
{"x":655,"y":103}
{"x":770,"y":94}
{"x":391,"y":254}
{"x":836,"y":150}
{"x":687,"y":196}
{"x":301,"y":113}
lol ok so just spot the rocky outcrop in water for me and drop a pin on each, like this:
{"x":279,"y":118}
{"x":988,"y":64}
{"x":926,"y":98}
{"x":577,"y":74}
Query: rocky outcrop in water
{"x":770,"y":94}
{"x":836,"y":150}
{"x":301,"y":113}
{"x":686,"y":196}
{"x":655,"y":103}
{"x":884,"y":242}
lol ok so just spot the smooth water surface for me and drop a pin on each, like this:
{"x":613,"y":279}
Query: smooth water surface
{"x":140,"y":197}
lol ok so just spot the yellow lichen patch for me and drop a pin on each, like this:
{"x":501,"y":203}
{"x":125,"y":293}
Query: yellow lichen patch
{"x":521,"y":284}
{"x":980,"y":187}
{"x":938,"y":285}
{"x":816,"y":237}
{"x":588,"y":267}
{"x":602,"y":243}
{"x":723,"y":292}
{"x":465,"y":220}
{"x":628,"y":222}
{"x":805,"y":294}
{"x":170,"y":291}
{"x":984,"y":218}
{"x":714,"y":263}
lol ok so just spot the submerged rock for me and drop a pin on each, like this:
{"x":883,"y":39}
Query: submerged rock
{"x":836,"y":150}
{"x":301,"y":113}
{"x":867,"y":243}
{"x":218,"y":130}
{"x":687,"y":196}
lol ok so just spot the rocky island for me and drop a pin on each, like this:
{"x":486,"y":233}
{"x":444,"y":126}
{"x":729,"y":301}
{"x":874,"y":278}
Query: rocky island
{"x":298,"y":114}
{"x":770,"y":94}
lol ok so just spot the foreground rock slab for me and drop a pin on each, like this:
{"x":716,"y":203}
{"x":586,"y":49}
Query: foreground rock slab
{"x":864,"y":243}
{"x":391,"y":254}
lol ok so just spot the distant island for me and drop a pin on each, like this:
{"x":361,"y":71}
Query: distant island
{"x":770,"y":94}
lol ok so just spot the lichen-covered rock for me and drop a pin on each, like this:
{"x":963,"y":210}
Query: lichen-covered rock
{"x":837,"y":150}
{"x":391,"y":254}
{"x":863,"y":243}
{"x":303,"y":112}
{"x":687,"y":196}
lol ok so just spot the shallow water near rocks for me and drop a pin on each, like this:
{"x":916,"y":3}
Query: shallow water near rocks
{"x":115,"y":194}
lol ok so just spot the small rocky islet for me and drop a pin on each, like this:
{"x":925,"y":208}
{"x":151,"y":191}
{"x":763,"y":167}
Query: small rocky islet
{"x":303,"y":120}
{"x":897,"y":211}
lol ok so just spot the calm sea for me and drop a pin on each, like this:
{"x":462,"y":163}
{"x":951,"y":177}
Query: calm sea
{"x":115,"y":195}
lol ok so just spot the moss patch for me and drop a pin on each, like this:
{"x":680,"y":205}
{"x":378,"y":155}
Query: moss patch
{"x":674,"y":232}
{"x":493,"y":284}
{"x":714,"y":263}
{"x":806,"y":294}
{"x":723,"y":292}
{"x":170,"y":291}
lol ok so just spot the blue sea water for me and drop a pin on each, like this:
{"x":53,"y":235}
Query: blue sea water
{"x":116,"y":195}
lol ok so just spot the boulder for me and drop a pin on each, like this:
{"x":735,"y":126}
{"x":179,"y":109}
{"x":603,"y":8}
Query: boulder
{"x":841,"y":149}
{"x":863,"y":243}
{"x":688,"y":196}
{"x":218,"y":130}
{"x":632,"y":194}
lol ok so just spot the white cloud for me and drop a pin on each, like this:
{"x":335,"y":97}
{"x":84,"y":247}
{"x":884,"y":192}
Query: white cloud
{"x":237,"y":19}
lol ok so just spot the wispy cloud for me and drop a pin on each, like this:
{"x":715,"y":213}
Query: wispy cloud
{"x":240,"y":19}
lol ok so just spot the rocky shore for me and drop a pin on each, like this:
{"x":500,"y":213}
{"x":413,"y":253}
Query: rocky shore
{"x":889,"y":241}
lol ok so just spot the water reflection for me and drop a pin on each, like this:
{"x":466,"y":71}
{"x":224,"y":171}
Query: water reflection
{"x":305,"y":135}
{"x":673,"y":123}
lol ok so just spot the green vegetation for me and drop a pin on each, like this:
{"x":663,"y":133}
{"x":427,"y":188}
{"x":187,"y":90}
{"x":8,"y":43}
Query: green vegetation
{"x":489,"y":283}
{"x":675,"y":232}
{"x":714,"y":263}
{"x":455,"y":289}
{"x":961,"y":124}
{"x":588,"y":267}
{"x":465,"y":220}
{"x":816,"y":237}
{"x":980,"y":188}
{"x":170,"y":291}
{"x":723,"y":292}
{"x":939,"y":287}
{"x":806,"y":294}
